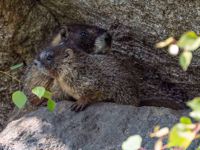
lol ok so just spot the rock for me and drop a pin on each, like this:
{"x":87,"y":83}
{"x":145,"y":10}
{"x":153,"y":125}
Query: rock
{"x":102,"y":126}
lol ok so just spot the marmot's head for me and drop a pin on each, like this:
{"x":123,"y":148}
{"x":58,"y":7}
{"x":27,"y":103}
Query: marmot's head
{"x":56,"y":60}
{"x":91,"y":39}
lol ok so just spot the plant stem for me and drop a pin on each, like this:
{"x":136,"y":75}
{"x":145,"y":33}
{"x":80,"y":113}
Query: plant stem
{"x":7,"y":74}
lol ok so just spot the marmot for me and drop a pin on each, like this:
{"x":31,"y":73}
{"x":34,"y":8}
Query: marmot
{"x":89,"y":78}
{"x":88,"y":38}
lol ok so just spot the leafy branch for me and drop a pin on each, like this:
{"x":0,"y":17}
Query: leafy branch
{"x":188,"y":43}
{"x":181,"y":135}
{"x":20,"y":99}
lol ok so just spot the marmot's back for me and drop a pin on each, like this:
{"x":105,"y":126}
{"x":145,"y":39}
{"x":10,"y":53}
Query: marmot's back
{"x":116,"y":81}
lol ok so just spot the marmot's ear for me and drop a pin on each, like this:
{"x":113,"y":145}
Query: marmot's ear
{"x":69,"y":52}
{"x":61,"y":36}
{"x":64,"y":32}
{"x":103,"y":43}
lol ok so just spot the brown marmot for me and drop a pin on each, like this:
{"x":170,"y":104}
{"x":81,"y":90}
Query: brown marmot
{"x":88,"y":38}
{"x":89,"y":78}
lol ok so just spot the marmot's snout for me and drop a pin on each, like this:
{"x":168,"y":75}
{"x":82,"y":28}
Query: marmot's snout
{"x":37,"y":63}
{"x":44,"y":61}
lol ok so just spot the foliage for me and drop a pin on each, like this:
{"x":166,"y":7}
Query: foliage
{"x":188,"y":42}
{"x":41,"y":92}
{"x":181,"y":135}
{"x":16,"y":66}
{"x":51,"y":105}
{"x":20,"y":99}
{"x":132,"y":143}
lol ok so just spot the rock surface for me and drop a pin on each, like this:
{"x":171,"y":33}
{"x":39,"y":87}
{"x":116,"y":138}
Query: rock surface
{"x":103,"y":126}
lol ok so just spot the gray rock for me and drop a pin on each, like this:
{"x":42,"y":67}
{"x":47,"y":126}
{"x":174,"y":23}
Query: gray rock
{"x":102,"y":126}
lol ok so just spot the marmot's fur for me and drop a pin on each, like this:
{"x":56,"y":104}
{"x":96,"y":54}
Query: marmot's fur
{"x":89,"y":78}
{"x":88,"y":38}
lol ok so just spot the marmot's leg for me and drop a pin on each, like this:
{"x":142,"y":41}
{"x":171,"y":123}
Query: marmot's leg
{"x":81,"y":104}
{"x":88,"y":97}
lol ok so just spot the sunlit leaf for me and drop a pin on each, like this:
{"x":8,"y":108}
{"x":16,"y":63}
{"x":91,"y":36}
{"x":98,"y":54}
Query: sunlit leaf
{"x":132,"y":143}
{"x":16,"y":66}
{"x":39,"y":91}
{"x":51,"y":105}
{"x":165,"y":42}
{"x":194,"y":104}
{"x":180,"y":136}
{"x":189,"y":41}
{"x":198,"y":148}
{"x":19,"y":99}
{"x":47,"y":95}
{"x":156,"y":128}
{"x":158,"y":145}
{"x":160,"y":133}
{"x":185,"y":60}
{"x":195,"y":114}
{"x":185,"y":120}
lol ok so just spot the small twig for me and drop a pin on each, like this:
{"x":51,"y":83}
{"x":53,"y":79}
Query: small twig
{"x":5,"y":73}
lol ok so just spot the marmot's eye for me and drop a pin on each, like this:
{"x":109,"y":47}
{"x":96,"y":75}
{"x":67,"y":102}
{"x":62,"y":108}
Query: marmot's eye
{"x":49,"y":57}
{"x":66,"y":55}
{"x":63,"y":33}
{"x":83,"y":34}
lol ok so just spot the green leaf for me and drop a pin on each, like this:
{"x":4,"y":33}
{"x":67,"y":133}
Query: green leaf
{"x":198,"y":148}
{"x":16,"y":66}
{"x":180,"y":136}
{"x":194,"y":104}
{"x":195,"y":115}
{"x":51,"y":105}
{"x":185,"y":120}
{"x":189,"y":41}
{"x":39,"y":91}
{"x":185,"y":60}
{"x":132,"y":143}
{"x":47,"y":95}
{"x":19,"y":99}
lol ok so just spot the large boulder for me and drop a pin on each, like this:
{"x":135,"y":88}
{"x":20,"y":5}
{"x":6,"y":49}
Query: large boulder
{"x":102,"y":126}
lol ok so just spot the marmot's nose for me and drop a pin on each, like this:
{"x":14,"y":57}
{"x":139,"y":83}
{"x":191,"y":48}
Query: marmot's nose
{"x":46,"y":56}
{"x":37,"y":63}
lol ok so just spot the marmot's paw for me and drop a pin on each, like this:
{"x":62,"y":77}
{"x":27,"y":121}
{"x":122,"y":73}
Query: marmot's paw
{"x":78,"y":107}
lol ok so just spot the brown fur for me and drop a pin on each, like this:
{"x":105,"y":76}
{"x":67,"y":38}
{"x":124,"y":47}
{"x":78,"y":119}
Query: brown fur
{"x":85,"y":37}
{"x":89,"y":78}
